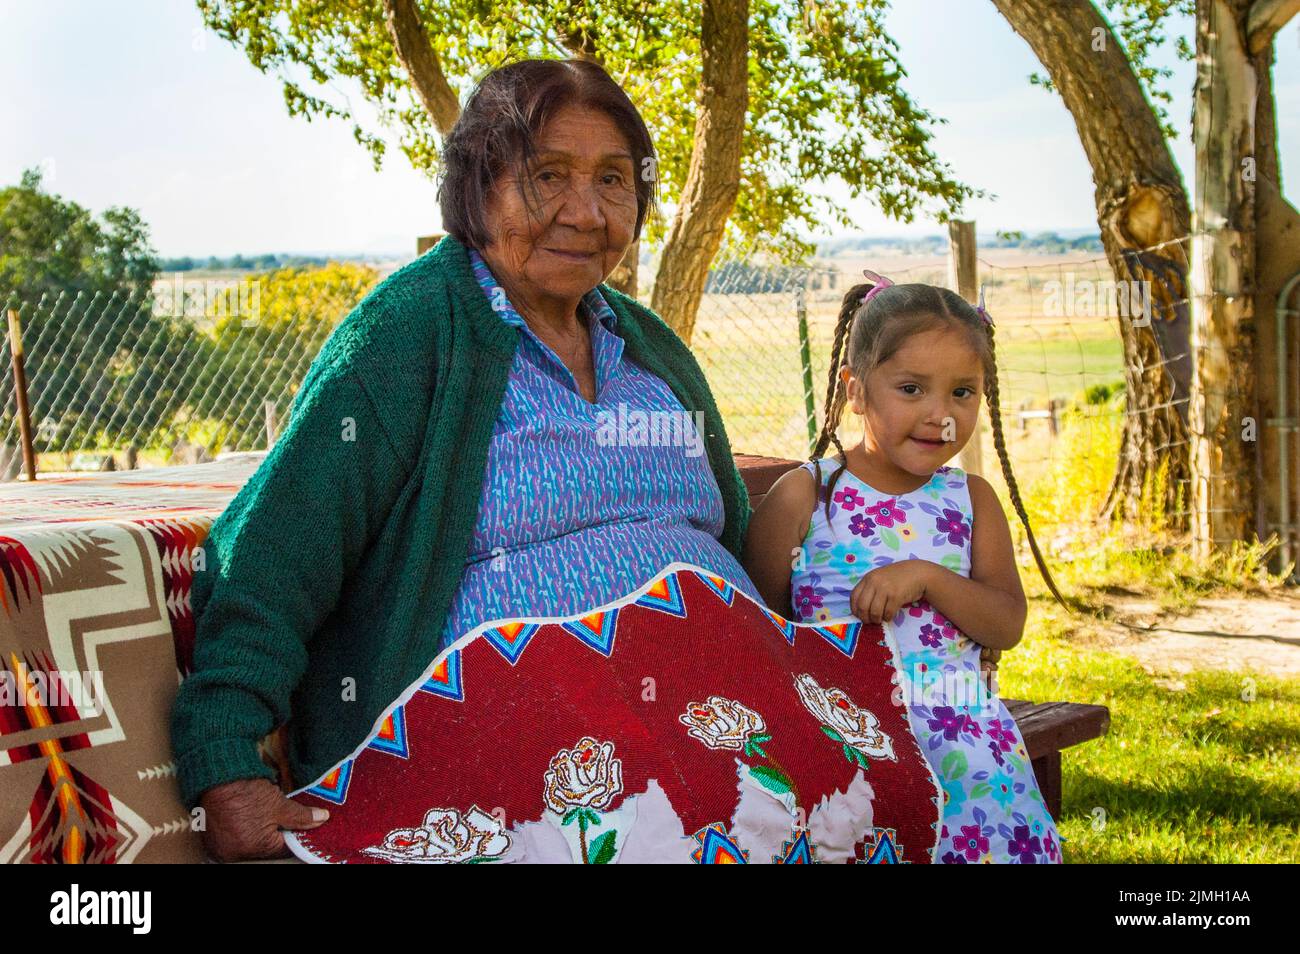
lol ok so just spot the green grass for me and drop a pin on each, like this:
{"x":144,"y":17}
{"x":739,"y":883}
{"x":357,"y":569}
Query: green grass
{"x":1197,"y":775}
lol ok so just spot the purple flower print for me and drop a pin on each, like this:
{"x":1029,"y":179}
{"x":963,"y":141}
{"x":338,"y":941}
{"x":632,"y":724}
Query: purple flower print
{"x":848,"y":498}
{"x":952,"y":859}
{"x":946,"y":628}
{"x":997,"y":753}
{"x":947,"y":721}
{"x":973,"y":844}
{"x":886,"y":513}
{"x":971,"y":726}
{"x":807,"y":600}
{"x":1001,"y":736}
{"x":952,"y":523}
{"x":862,"y":525}
{"x":1049,"y":845}
{"x":930,"y":636}
{"x":1023,"y":845}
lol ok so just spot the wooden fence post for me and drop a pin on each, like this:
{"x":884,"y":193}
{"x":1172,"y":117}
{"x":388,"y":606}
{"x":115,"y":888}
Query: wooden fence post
{"x":963,"y":278}
{"x":20,"y":393}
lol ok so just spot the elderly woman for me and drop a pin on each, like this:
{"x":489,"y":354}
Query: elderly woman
{"x":449,"y":459}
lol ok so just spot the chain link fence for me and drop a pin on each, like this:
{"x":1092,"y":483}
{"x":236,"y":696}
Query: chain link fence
{"x":204,"y":366}
{"x":195,"y":368}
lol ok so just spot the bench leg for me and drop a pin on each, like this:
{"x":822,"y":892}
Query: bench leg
{"x":1047,"y":769}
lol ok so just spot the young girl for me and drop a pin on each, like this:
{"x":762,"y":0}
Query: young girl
{"x":884,"y":531}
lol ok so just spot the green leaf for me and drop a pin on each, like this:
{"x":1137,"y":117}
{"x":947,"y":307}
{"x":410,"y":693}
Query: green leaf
{"x":760,"y":738}
{"x":843,"y":73}
{"x":570,"y":816}
{"x":831,"y":733}
{"x":980,"y":790}
{"x":771,"y":778}
{"x":601,"y":851}
{"x":888,"y":537}
{"x":954,"y":765}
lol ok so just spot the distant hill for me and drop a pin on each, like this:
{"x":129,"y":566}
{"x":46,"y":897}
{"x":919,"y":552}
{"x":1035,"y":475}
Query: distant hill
{"x":260,"y":263}
{"x":1047,"y":243}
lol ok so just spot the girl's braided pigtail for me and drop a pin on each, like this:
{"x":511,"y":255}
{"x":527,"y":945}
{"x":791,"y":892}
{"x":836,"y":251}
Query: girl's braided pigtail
{"x":999,"y":442}
{"x":836,"y":397}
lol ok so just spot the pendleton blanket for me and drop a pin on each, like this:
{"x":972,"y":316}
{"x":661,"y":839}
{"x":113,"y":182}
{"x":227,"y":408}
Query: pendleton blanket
{"x":95,"y":636}
{"x":684,"y":723}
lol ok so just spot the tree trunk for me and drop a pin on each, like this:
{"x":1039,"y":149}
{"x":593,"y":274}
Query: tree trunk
{"x":420,"y":61}
{"x":1222,"y":425}
{"x":1141,"y":202}
{"x":713,"y":180}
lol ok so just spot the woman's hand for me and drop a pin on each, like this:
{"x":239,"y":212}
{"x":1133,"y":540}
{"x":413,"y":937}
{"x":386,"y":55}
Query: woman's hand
{"x":884,"y":591}
{"x":244,"y":820}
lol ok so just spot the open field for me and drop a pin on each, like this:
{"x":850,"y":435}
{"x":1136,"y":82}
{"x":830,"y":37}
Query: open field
{"x":749,"y":348}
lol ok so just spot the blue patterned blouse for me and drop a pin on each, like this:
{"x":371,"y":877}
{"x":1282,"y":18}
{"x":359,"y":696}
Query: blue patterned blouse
{"x":582,"y":503}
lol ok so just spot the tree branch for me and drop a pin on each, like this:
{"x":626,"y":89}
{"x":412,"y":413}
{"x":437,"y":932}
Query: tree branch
{"x":1265,"y":18}
{"x":418,"y":58}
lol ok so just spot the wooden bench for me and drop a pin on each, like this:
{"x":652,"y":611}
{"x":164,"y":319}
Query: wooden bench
{"x":1047,"y":727}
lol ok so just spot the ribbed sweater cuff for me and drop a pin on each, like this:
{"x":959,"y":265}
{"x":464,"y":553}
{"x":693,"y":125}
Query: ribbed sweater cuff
{"x":225,"y":760}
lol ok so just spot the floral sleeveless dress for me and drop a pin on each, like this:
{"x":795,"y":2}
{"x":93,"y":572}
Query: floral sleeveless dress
{"x":993,"y":809}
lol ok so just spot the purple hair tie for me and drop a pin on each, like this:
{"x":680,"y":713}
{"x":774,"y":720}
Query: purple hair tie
{"x":981,"y":311}
{"x":881,"y":283}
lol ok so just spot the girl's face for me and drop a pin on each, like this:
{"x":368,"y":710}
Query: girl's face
{"x":921,"y":406}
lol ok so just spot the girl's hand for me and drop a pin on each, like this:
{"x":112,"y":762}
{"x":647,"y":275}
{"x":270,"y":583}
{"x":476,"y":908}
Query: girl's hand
{"x":880,"y":594}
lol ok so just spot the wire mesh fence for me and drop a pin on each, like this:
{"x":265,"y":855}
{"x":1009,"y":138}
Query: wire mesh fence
{"x":1058,"y":346}
{"x":211,"y":365}
{"x":194,"y":366}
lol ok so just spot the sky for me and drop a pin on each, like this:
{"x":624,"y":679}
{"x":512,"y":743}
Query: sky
{"x":133,"y":102}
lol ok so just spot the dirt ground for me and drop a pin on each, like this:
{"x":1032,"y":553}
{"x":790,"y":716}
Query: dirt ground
{"x":1236,"y":634}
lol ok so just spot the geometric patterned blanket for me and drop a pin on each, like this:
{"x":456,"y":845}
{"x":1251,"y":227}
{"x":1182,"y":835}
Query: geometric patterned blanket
{"x":682,"y":723}
{"x":95,"y":636}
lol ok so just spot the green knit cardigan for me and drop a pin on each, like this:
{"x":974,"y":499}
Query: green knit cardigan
{"x":323,"y":588}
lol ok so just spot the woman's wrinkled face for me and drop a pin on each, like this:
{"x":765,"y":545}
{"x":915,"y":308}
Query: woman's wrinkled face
{"x":584,"y":209}
{"x":922,"y":405}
